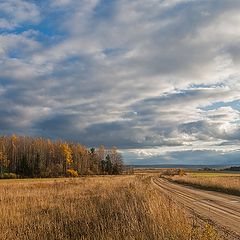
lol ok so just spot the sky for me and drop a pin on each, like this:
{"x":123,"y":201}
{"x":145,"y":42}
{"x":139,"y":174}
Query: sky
{"x":159,"y":79}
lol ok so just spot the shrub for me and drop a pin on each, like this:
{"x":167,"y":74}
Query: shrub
{"x":72,"y":173}
{"x":181,"y":172}
{"x":173,"y":172}
{"x":9,"y":176}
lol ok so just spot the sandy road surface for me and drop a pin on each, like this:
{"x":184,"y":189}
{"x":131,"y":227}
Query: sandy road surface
{"x":222,"y":209}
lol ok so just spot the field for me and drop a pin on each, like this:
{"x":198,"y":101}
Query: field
{"x":110,"y":207}
{"x":216,"y":181}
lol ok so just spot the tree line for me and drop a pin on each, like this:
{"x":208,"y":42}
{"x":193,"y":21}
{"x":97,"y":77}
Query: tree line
{"x":39,"y":157}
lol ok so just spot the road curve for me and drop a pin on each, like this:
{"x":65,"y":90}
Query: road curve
{"x":222,"y":209}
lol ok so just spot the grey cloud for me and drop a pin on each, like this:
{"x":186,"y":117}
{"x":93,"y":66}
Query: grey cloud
{"x":138,"y":78}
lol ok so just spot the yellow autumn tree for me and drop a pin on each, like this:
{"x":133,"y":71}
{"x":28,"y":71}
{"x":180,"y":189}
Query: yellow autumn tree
{"x":69,"y":160}
{"x":67,"y":153}
{"x":14,"y":139}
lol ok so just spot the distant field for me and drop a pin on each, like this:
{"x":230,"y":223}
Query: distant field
{"x":147,"y":170}
{"x":216,"y":181}
{"x":109,"y":207}
{"x":214,"y":174}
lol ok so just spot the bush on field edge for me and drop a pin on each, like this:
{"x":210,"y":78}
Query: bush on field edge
{"x":8,"y":176}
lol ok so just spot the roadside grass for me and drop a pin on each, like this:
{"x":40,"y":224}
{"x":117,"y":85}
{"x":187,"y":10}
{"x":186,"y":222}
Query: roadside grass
{"x":110,"y":207}
{"x":214,"y":174}
{"x":221,"y":182}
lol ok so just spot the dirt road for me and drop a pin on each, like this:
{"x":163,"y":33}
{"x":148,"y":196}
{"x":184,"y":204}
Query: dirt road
{"x":222,"y":209}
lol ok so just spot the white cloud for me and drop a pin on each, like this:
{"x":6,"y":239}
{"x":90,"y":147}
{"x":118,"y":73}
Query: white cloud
{"x":17,"y":12}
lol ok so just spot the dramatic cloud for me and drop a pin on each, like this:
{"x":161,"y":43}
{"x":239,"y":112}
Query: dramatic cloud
{"x":159,"y":79}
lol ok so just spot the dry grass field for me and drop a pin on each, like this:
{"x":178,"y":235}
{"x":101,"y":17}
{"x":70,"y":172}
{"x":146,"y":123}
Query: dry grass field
{"x":222,"y":182}
{"x":120,"y":207}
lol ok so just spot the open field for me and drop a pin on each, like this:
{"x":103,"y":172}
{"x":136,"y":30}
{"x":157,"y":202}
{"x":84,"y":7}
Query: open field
{"x":144,"y":171}
{"x":222,"y":182}
{"x":120,"y":207}
{"x":227,"y":182}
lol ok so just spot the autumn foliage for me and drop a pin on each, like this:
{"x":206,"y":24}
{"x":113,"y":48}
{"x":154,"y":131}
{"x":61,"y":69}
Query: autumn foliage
{"x":38,"y":157}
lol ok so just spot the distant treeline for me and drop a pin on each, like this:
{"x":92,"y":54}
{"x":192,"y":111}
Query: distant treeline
{"x":233,"y":168}
{"x":38,"y":157}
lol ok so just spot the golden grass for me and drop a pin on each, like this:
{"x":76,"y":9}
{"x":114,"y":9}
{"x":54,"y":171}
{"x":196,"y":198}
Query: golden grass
{"x":222,"y":182}
{"x":121,"y":207}
{"x":213,"y":174}
{"x":147,"y":170}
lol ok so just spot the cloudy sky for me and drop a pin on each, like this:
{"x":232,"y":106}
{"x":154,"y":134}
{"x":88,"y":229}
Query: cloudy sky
{"x":159,"y":79}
